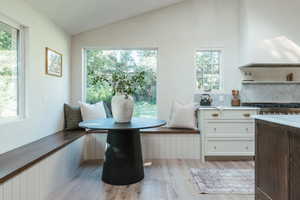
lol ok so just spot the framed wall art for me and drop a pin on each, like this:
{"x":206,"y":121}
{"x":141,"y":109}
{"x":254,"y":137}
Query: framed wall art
{"x":53,"y":62}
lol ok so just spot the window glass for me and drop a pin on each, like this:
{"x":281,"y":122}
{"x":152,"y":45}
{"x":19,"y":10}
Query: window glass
{"x":208,"y":69}
{"x":100,"y":62}
{"x":8,"y":71}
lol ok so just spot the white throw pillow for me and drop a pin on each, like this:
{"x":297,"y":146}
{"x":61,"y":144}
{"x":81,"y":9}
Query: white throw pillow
{"x":92,"y":111}
{"x":182,"y":116}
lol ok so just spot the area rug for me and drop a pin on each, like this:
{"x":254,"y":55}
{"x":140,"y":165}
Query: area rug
{"x":224,"y":181}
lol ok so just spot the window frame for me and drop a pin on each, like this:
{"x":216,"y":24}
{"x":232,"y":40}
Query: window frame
{"x":84,"y":69}
{"x":20,"y":70}
{"x":221,"y":50}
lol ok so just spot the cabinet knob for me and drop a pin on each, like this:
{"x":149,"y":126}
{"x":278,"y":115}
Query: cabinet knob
{"x":247,"y":129}
{"x":215,"y":147}
{"x":215,"y":129}
{"x":246,"y":115}
{"x":215,"y":115}
{"x":247,"y":148}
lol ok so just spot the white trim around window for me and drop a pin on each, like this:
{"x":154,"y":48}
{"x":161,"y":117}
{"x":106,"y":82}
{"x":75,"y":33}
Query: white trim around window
{"x":83,"y":75}
{"x":221,"y":49}
{"x":10,"y":21}
{"x":22,"y":74}
{"x":21,"y":48}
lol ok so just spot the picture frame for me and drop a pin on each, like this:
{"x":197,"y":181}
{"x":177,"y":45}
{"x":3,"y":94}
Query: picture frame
{"x":53,"y":62}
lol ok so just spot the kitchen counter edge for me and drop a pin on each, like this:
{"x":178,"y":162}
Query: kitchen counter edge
{"x":226,"y":108}
{"x":285,"y":120}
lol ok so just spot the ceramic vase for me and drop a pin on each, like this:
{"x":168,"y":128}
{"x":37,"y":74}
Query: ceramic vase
{"x":122,"y":108}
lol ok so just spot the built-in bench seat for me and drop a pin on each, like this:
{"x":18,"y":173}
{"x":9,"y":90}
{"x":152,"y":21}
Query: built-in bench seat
{"x":35,"y":170}
{"x":53,"y":161}
{"x":157,"y":143}
{"x":19,"y":159}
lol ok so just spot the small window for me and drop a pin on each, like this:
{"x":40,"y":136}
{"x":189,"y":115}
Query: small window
{"x":10,"y":72}
{"x":101,"y":61}
{"x":208,"y":70}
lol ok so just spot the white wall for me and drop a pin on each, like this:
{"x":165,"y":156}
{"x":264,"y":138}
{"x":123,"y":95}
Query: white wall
{"x":177,"y":31}
{"x":270,"y":31}
{"x":45,"y":95}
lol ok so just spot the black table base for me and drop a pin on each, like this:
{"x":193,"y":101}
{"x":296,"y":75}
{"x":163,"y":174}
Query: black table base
{"x":123,"y":163}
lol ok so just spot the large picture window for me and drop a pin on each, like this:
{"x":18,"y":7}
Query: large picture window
{"x":99,"y":61}
{"x":208,"y":69}
{"x":10,"y":72}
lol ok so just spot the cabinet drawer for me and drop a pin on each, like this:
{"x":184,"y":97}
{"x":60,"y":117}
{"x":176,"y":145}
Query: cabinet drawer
{"x":212,"y":114}
{"x":238,"y":114}
{"x":229,"y":114}
{"x":229,"y":128}
{"x":230,"y":147}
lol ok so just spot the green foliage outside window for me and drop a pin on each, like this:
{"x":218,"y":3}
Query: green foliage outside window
{"x":8,"y":70}
{"x":208,"y":69}
{"x":121,"y":82}
{"x":126,"y":65}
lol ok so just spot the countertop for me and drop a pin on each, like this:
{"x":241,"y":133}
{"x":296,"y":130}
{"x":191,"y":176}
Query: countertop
{"x":287,"y":120}
{"x":227,"y":108}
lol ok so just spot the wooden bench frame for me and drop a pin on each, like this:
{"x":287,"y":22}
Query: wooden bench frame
{"x":18,"y":160}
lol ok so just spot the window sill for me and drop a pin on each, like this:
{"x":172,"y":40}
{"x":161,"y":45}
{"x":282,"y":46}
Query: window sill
{"x":9,"y":120}
{"x":210,"y":92}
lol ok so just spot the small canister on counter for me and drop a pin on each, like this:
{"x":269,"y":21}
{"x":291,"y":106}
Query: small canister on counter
{"x":235,"y":101}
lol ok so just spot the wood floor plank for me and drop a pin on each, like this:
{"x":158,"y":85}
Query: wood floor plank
{"x":164,"y":180}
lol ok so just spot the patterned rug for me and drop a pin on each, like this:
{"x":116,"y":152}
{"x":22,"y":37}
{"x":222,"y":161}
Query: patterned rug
{"x":224,"y":181}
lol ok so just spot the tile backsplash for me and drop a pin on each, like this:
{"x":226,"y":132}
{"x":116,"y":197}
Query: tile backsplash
{"x":266,"y":92}
{"x":269,"y":92}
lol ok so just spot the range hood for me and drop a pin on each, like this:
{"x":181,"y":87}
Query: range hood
{"x":270,"y":65}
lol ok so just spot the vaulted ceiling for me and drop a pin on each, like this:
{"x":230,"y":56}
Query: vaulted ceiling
{"x":77,"y":16}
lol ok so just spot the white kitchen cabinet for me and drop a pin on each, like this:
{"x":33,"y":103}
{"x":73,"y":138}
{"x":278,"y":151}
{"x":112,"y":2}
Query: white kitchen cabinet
{"x":226,"y":132}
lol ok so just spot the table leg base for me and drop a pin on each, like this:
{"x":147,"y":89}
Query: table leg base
{"x":123,"y":163}
{"x":117,"y":183}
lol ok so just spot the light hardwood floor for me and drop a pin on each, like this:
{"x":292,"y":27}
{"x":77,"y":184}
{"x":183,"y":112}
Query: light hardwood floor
{"x":164,"y":180}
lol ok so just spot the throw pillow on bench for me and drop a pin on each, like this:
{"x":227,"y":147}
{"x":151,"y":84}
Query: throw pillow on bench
{"x":73,"y":115}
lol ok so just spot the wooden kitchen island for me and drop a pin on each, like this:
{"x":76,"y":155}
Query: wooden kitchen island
{"x":277,"y":162}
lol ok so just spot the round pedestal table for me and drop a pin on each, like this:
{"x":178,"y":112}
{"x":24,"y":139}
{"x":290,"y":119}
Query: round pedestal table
{"x":123,"y":163}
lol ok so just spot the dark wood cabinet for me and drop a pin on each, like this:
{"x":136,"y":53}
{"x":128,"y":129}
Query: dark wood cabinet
{"x":295,"y":165}
{"x":277,"y":162}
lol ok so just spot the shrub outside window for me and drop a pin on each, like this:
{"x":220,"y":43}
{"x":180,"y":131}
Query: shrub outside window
{"x":208,"y":64}
{"x":101,"y":61}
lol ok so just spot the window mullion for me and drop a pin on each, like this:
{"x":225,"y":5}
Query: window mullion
{"x":210,"y":74}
